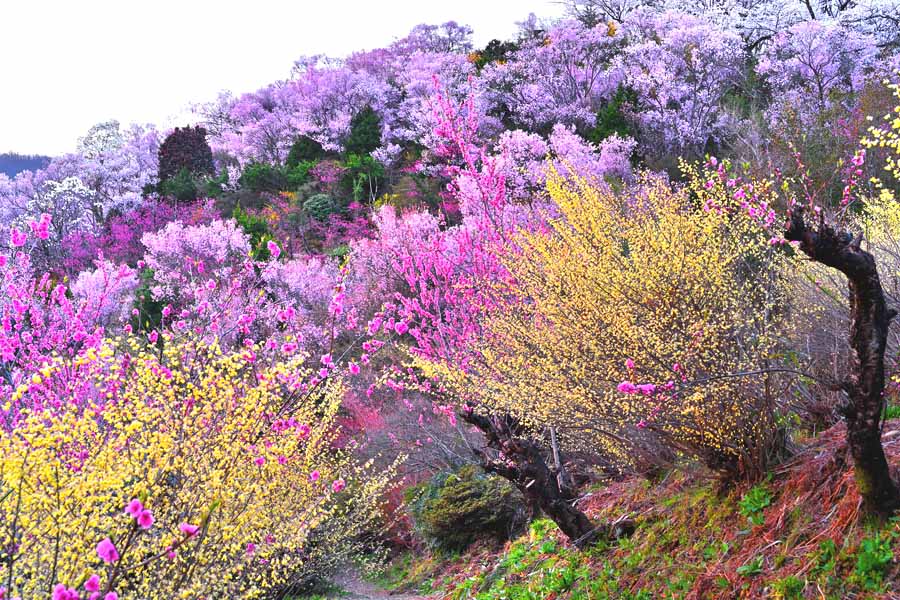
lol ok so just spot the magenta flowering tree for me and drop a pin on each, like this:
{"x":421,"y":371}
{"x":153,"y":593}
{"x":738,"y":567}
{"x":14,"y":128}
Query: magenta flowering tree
{"x":107,"y":292}
{"x":185,"y":257}
{"x":38,"y":321}
{"x":440,"y":304}
{"x":119,"y":239}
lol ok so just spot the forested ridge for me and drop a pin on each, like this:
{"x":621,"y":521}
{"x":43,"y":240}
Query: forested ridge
{"x":604,"y":310}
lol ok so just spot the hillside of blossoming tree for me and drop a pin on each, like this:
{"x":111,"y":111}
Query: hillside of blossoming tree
{"x":606,"y":309}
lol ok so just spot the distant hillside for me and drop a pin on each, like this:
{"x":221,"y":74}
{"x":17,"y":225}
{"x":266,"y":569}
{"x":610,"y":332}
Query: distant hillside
{"x":12,"y":163}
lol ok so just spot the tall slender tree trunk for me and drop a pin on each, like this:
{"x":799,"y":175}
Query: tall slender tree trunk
{"x":869,"y":321}
{"x":522,"y":461}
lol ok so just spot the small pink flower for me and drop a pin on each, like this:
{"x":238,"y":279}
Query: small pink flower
{"x":282,"y":460}
{"x":153,"y":336}
{"x":401,"y":328}
{"x":629,"y":364}
{"x":646,"y":388}
{"x":327,"y":360}
{"x":61,"y":593}
{"x":134,"y":508}
{"x":251,"y":548}
{"x":354,"y":368}
{"x":18,"y":238}
{"x":145,"y":519}
{"x":167,"y":310}
{"x":111,"y":596}
{"x":626,"y":387}
{"x":93,"y":583}
{"x":314,"y":476}
{"x":260,"y":461}
{"x":170,"y":553}
{"x":107,"y":551}
{"x":188,"y":529}
{"x":323,"y":373}
{"x":338,"y":485}
{"x":274,"y":250}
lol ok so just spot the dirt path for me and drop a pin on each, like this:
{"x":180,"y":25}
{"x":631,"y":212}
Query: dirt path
{"x":357,"y":588}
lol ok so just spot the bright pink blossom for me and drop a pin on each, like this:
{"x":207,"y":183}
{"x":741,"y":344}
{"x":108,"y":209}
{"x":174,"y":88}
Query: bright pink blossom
{"x":107,"y":551}
{"x":17,"y":238}
{"x":145,"y":519}
{"x":134,"y":508}
{"x":188,"y":529}
{"x":626,"y":387}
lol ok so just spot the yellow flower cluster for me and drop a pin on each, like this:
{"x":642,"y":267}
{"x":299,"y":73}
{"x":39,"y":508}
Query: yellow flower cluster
{"x":887,"y":137}
{"x":643,"y":276}
{"x":204,"y":438}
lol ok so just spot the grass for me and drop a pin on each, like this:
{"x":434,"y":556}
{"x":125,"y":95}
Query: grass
{"x":798,"y":534}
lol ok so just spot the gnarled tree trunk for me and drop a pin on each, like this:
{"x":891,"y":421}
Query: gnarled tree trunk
{"x":522,"y":461}
{"x":869,"y":321}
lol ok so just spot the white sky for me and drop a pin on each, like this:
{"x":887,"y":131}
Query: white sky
{"x":68,"y":64}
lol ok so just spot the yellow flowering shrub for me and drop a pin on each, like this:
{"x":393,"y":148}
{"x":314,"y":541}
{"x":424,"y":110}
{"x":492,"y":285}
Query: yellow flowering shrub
{"x":887,"y":137}
{"x":185,"y":472}
{"x":637,"y":325}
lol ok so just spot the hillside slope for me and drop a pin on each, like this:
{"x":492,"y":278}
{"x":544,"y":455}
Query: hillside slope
{"x":799,"y":534}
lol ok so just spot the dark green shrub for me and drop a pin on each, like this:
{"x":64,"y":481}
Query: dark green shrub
{"x":452,"y":510}
{"x":495,"y":51}
{"x":320,"y":206}
{"x":263,"y":177}
{"x":182,"y":187}
{"x":258,"y":231}
{"x":365,"y":132}
{"x":611,"y":118}
{"x":298,"y":174}
{"x":149,"y":315}
{"x":363,"y":176}
{"x":305,"y":149}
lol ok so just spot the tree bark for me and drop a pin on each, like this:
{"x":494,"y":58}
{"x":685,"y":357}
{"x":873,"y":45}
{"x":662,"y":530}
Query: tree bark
{"x":869,"y":321}
{"x":522,"y":461}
